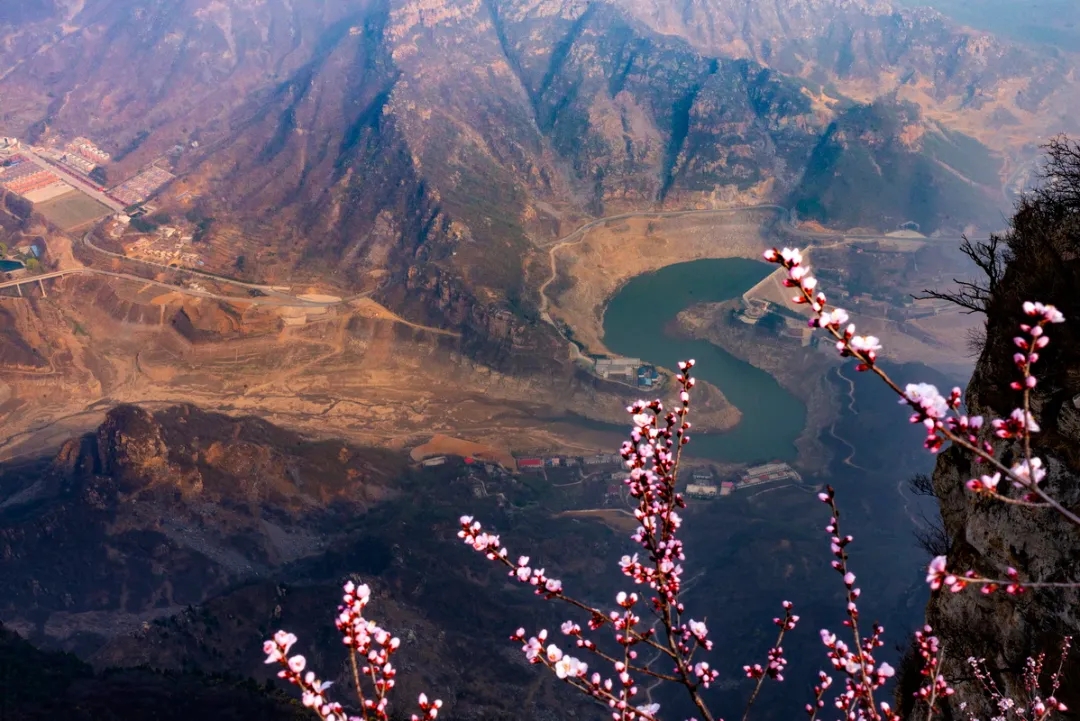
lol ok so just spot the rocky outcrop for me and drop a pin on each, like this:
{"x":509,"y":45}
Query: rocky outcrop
{"x":884,"y":164}
{"x":988,"y":536}
{"x":860,"y":44}
{"x":157,"y":510}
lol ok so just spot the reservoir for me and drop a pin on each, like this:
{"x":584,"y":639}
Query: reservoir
{"x":8,"y":265}
{"x":634,"y":324}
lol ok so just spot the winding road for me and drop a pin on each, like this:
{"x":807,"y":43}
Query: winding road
{"x":286,"y":301}
{"x":270,"y":297}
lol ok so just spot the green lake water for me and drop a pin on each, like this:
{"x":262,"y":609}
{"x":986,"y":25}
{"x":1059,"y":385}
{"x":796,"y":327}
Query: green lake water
{"x":634,"y":326}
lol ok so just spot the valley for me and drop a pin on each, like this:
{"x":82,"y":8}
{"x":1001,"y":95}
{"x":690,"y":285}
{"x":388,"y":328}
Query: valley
{"x":287,"y":287}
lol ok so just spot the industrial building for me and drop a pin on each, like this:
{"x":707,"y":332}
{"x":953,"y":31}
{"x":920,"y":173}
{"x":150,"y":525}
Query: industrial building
{"x":620,"y":368}
{"x":703,"y":492}
{"x":702,"y":476}
{"x":770,"y":472}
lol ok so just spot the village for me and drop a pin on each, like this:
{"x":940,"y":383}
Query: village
{"x":607,"y":471}
{"x":141,"y":239}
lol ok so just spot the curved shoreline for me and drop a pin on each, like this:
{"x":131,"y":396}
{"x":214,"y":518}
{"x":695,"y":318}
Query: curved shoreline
{"x":772,"y":418}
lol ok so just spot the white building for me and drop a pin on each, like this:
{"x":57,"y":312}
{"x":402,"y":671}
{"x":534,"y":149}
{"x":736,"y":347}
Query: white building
{"x":620,"y":367}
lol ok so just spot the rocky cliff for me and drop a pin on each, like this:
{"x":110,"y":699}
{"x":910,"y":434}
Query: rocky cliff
{"x":1044,"y":265}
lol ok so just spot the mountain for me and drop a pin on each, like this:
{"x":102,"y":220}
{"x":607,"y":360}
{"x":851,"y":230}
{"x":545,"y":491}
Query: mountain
{"x":883,"y":162}
{"x":1003,"y":92}
{"x":167,"y":510}
{"x":422,"y":150}
{"x":1048,"y":22}
{"x":176,"y":539}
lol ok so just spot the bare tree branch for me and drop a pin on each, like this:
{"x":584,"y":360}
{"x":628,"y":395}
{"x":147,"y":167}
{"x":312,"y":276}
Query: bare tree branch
{"x":990,"y":257}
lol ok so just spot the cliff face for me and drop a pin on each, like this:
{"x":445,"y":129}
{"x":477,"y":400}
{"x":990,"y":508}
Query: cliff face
{"x":885,"y":162}
{"x":990,"y":536}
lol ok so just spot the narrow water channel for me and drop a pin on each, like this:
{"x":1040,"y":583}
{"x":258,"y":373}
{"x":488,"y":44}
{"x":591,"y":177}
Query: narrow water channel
{"x":634,"y":325}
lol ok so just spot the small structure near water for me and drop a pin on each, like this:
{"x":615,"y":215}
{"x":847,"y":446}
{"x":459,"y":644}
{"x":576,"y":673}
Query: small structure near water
{"x":770,"y":472}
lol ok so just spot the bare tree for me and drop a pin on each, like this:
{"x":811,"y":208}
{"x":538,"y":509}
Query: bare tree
{"x":921,"y":484}
{"x":990,"y":256}
{"x":1061,"y":173}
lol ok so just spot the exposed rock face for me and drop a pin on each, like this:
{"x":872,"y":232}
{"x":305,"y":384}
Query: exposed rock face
{"x":885,"y":163}
{"x":132,"y":449}
{"x":871,"y":44}
{"x":989,"y":536}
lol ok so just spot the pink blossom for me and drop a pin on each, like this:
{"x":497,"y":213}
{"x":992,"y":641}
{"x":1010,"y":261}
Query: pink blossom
{"x":927,"y":397}
{"x":1016,"y":424}
{"x":832,"y":319}
{"x":568,"y":666}
{"x":865,"y":343}
{"x":1029,"y":472}
{"x":791,"y":256}
{"x":1048,"y":313}
{"x":936,"y":572}
{"x":985,"y":483}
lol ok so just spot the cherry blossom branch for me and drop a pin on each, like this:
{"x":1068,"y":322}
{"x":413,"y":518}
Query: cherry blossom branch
{"x":930,"y":407}
{"x":863,"y":676}
{"x":653,"y":456}
{"x":1036,"y":708}
{"x":364,"y":638}
{"x":775,"y":663}
{"x":935,"y":686}
{"x":823,"y":684}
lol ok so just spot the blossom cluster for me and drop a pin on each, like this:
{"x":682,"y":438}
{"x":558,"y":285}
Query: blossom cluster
{"x":367,"y":641}
{"x":942,"y":415}
{"x":775,"y":662}
{"x":1035,"y":707}
{"x":934,"y":686}
{"x":611,"y":671}
{"x":651,"y":457}
{"x":939,"y":576}
{"x":864,"y":348}
{"x":863,"y":675}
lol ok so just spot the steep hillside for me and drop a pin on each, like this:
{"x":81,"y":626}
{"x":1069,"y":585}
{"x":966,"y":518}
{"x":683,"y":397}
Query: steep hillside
{"x":422,"y":150}
{"x":156,"y":512}
{"x":882,"y":165}
{"x":39,"y":685}
{"x":1002,"y":92}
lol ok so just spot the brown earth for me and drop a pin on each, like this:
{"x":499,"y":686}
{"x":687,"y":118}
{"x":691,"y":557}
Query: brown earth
{"x":442,"y":445}
{"x":356,"y":373}
{"x":592,"y":269}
